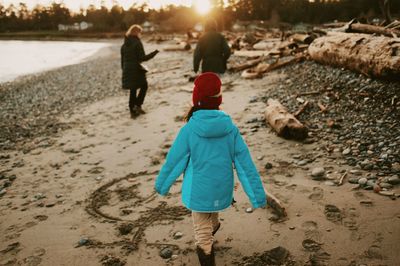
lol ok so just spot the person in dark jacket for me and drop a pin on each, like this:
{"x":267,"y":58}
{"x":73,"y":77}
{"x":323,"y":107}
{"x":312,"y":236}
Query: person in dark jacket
{"x":212,"y":50}
{"x":133,"y":73}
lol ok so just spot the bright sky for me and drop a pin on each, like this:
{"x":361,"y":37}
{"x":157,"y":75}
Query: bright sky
{"x":202,"y":5}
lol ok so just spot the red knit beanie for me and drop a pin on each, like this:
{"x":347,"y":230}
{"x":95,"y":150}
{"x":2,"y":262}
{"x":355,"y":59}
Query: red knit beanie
{"x":207,"y":91}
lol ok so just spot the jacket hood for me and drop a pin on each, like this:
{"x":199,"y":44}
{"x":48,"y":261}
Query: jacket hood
{"x":211,"y":123}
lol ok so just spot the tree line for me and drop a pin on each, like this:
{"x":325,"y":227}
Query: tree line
{"x":15,"y":18}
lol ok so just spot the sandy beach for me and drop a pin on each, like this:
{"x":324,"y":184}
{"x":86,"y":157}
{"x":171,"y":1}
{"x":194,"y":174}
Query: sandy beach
{"x":78,"y":173}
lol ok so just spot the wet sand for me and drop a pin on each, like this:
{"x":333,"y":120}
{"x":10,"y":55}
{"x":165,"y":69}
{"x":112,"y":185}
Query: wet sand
{"x":84,"y":195}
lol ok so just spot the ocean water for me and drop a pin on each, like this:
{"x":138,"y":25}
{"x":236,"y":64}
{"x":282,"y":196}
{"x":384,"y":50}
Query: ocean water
{"x":18,"y":58}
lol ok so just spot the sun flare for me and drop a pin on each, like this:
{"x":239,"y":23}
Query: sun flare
{"x":202,"y":6}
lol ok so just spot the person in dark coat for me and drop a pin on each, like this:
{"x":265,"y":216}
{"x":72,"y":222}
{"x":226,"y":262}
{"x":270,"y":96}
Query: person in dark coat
{"x":212,"y":50}
{"x":133,"y":73}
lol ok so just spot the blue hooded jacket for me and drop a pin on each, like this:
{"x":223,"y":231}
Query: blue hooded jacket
{"x":205,"y":150}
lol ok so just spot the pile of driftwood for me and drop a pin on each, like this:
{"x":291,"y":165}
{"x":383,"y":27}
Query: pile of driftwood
{"x":267,"y":51}
{"x":368,"y":49}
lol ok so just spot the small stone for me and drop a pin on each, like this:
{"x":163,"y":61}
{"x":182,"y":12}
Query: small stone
{"x":3,"y":192}
{"x":166,"y":253}
{"x":49,"y":205}
{"x":346,"y":152}
{"x":268,"y":166}
{"x":302,"y":162}
{"x":82,"y":242}
{"x":376,"y":188}
{"x":385,"y":185}
{"x":260,"y":157}
{"x":99,"y":178}
{"x":318,"y":173}
{"x":174,"y":257}
{"x":12,"y":177}
{"x":362,"y":181}
{"x":249,"y":210}
{"x":292,"y":228}
{"x":330,"y":183}
{"x":178,"y":235}
{"x":39,"y":196}
{"x":393,"y":180}
{"x":59,"y":196}
{"x":355,"y":172}
{"x":353,"y":180}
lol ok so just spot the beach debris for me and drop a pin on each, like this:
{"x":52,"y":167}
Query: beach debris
{"x":318,"y":173}
{"x":353,"y":51}
{"x":178,"y":235}
{"x":277,"y":207}
{"x":166,"y":253}
{"x":249,"y":210}
{"x":284,"y":123}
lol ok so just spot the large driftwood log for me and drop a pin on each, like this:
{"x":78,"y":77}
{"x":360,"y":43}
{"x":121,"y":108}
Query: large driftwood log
{"x":370,"y":55}
{"x":284,"y":123}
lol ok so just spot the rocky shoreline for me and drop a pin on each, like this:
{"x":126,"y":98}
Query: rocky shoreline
{"x":361,"y":123}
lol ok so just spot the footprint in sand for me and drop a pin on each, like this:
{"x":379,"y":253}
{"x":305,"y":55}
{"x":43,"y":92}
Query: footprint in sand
{"x":97,"y":170}
{"x":317,"y":194}
{"x":311,"y":231}
{"x":333,"y":213}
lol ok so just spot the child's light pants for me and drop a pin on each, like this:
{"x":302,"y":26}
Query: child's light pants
{"x":204,"y":224}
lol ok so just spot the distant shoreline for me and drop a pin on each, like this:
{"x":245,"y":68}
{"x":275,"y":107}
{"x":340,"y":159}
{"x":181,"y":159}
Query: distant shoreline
{"x":57,"y":35}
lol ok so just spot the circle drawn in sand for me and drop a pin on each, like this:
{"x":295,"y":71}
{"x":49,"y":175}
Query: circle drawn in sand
{"x":129,"y":192}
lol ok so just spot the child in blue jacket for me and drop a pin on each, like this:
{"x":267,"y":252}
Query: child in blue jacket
{"x":205,"y":150}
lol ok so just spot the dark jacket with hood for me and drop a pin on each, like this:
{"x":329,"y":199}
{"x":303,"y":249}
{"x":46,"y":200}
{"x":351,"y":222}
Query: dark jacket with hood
{"x":213,"y":51}
{"x":132,"y":54}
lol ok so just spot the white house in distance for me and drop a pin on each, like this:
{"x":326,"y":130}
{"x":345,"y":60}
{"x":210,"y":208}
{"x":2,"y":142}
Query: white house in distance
{"x":76,"y":26}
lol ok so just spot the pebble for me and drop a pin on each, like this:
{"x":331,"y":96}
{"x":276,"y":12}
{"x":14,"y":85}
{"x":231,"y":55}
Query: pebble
{"x":318,"y":173}
{"x":39,"y":196}
{"x":385,"y":185}
{"x":178,"y":235}
{"x":3,"y":192}
{"x":353,"y":180}
{"x":249,"y":210}
{"x":394,"y":180}
{"x":346,"y":152}
{"x":362,"y":181}
{"x":330,"y":183}
{"x":166,"y":253}
{"x":302,"y":162}
{"x":82,"y":242}
{"x":268,"y":166}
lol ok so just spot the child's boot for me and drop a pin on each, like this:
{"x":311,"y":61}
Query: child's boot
{"x":206,"y":259}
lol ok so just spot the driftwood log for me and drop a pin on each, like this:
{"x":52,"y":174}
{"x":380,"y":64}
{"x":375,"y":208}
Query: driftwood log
{"x":263,"y":68}
{"x":372,"y":29}
{"x":302,"y":38}
{"x":284,"y":123}
{"x":276,"y":205}
{"x":370,"y":55}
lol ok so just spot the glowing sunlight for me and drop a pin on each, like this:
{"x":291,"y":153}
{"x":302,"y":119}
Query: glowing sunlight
{"x":202,"y":6}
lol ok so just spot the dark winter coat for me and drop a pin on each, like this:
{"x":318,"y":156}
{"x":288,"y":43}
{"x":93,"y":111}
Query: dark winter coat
{"x":213,"y":51}
{"x":132,"y":54}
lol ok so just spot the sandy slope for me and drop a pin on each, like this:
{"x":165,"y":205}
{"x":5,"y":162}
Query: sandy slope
{"x":98,"y":177}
